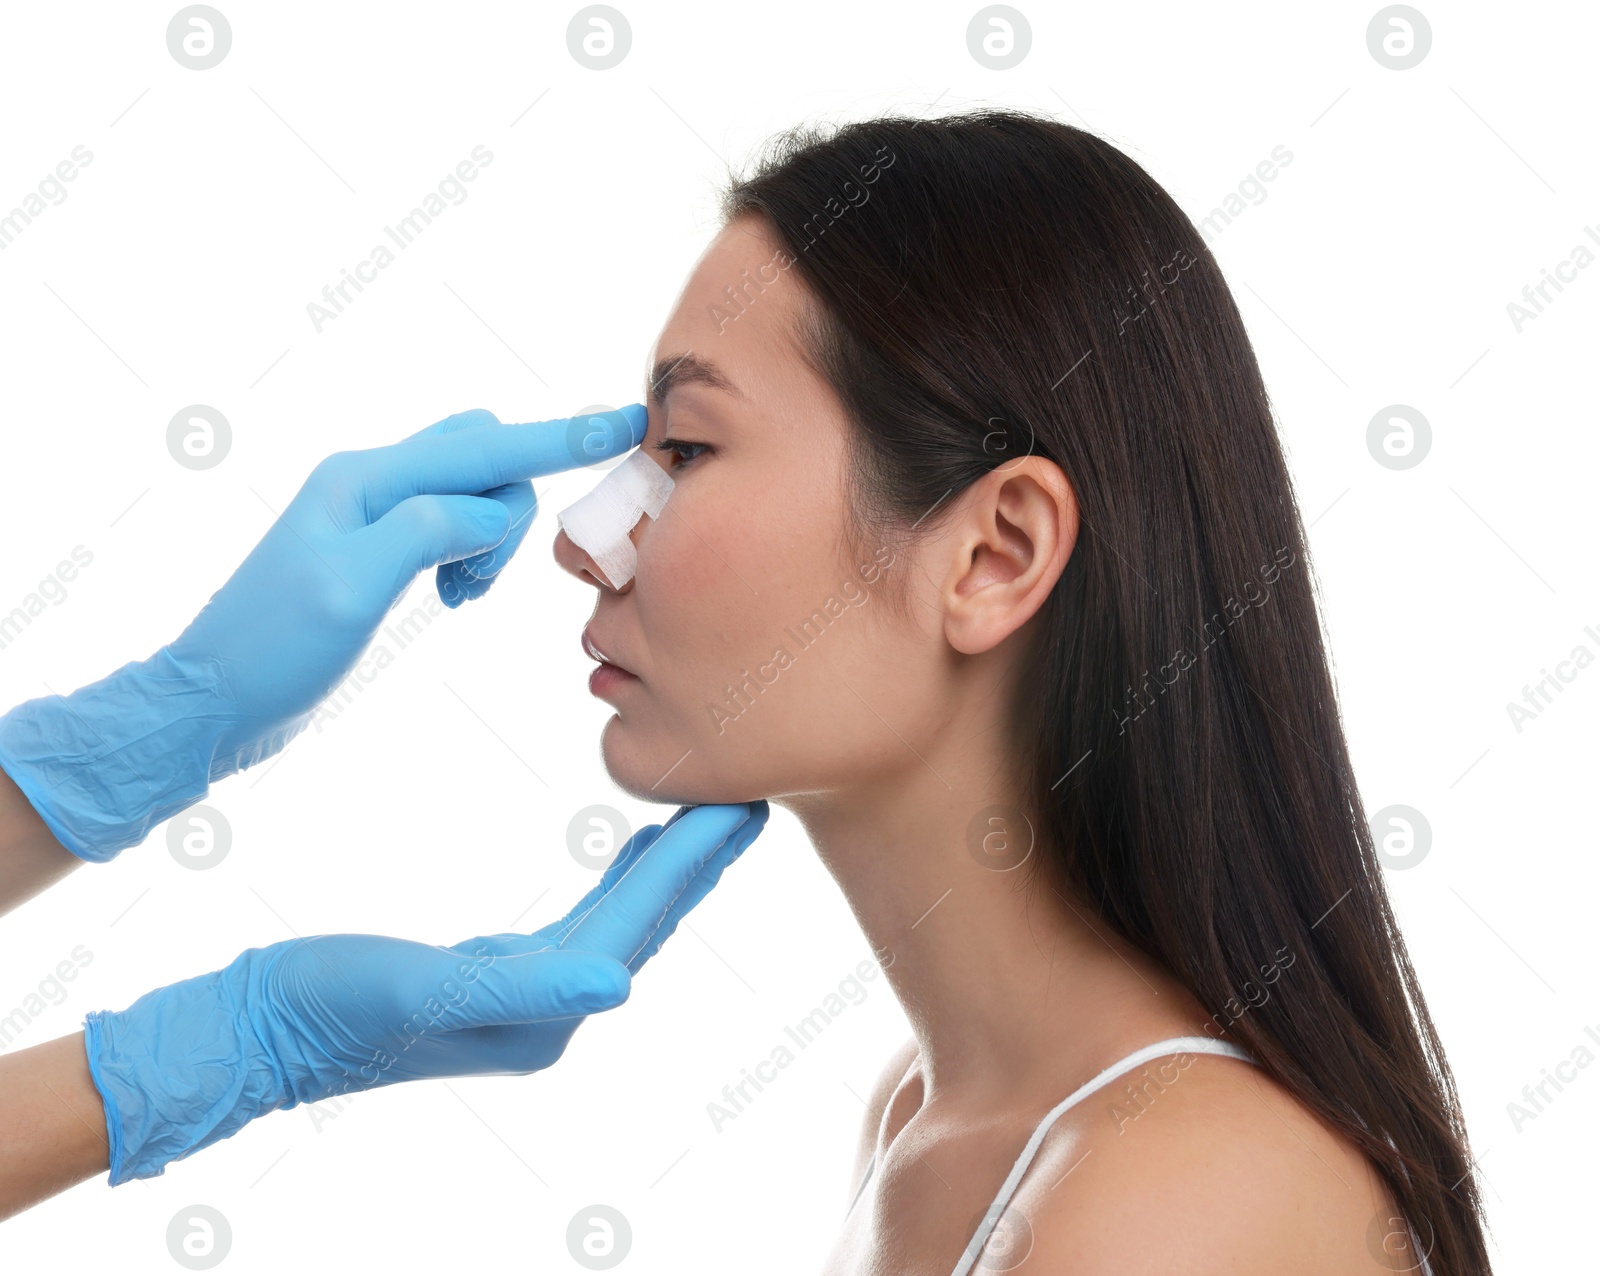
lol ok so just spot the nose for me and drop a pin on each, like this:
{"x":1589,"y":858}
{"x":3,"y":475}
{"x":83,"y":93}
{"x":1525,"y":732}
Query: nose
{"x":576,"y":562}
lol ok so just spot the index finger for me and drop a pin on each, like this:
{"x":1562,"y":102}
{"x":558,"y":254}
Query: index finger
{"x":625,"y":919}
{"x":476,"y":458}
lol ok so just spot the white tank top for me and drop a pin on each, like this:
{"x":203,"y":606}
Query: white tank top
{"x":1173,"y":1045}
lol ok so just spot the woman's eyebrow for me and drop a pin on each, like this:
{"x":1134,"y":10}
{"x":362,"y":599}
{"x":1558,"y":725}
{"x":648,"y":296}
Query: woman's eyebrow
{"x":684,"y":369}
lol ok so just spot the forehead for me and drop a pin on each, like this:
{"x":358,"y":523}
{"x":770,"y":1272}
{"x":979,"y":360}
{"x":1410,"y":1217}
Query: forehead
{"x":738,"y":309}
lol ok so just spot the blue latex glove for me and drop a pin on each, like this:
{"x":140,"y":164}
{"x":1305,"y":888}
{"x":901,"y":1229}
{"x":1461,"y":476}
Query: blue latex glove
{"x":308,"y":1019}
{"x":107,"y":763}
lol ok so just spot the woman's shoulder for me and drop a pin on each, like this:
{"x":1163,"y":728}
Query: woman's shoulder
{"x":1199,"y":1163}
{"x":877,"y":1100}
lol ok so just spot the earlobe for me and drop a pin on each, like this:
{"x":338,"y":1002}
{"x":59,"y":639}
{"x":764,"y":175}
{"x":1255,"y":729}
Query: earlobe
{"x":1008,"y":550}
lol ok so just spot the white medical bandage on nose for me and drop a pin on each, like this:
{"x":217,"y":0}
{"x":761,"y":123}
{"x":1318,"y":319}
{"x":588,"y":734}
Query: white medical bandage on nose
{"x":600,"y":523}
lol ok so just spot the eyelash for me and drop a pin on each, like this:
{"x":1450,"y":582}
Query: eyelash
{"x":676,"y":447}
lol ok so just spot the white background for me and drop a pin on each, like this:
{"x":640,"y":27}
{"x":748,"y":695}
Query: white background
{"x":1376,"y":271}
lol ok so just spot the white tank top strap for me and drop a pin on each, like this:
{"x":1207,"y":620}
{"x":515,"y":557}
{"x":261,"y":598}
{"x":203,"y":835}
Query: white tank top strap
{"x":1173,"y":1045}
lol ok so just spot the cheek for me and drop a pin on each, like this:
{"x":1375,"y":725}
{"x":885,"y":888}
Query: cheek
{"x":690,"y":599}
{"x":678,"y":555}
{"x":711,"y":596}
{"x":726,"y":578}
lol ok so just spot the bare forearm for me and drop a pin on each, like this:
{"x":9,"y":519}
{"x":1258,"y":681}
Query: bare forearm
{"x":52,"y":1123}
{"x":30,"y":857}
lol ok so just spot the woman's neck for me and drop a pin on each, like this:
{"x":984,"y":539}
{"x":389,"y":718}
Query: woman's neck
{"x":1007,"y":986}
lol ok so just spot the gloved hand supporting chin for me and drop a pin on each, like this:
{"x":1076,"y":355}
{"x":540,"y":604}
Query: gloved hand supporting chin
{"x":308,"y":1019}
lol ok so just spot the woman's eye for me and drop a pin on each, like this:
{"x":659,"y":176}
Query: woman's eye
{"x":679,"y":449}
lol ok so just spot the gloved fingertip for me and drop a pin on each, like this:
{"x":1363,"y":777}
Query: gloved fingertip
{"x":452,"y":592}
{"x":458,"y":585}
{"x":752,"y":826}
{"x":484,"y":567}
{"x":607,"y":982}
{"x":494,"y":522}
{"x":638,"y":420}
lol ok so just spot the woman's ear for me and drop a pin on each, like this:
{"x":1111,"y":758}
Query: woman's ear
{"x":1007,"y":549}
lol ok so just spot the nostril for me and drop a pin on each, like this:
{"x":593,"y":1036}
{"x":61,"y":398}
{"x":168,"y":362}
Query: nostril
{"x":577,"y":562}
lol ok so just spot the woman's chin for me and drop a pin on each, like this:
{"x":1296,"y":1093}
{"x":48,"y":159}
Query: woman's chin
{"x":663,"y":771}
{"x":643,"y":769}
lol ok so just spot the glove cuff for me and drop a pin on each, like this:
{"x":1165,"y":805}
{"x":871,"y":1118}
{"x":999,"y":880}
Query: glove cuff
{"x":182,"y":1068}
{"x":107,"y":763}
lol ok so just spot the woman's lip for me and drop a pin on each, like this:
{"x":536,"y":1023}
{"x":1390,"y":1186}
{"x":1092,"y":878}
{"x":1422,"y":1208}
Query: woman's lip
{"x":593,"y":650}
{"x":607,"y":678}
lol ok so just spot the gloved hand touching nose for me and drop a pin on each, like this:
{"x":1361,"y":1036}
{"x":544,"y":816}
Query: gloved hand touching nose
{"x":107,"y":763}
{"x":308,"y":1019}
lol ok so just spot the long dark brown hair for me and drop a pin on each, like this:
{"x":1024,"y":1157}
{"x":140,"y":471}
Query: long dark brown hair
{"x":994,"y":284}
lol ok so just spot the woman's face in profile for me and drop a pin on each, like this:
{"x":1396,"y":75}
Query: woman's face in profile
{"x":763,"y":649}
